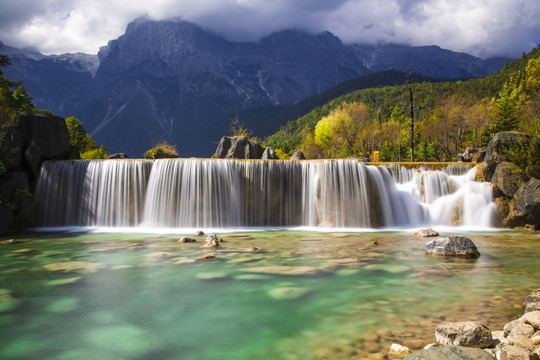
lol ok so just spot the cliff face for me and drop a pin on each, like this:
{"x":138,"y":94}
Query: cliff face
{"x":33,"y":139}
{"x":175,"y":81}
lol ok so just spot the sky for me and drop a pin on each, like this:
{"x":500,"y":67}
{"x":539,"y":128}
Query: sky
{"x":484,"y":28}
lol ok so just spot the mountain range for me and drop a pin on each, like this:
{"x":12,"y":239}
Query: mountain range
{"x":174,"y":81}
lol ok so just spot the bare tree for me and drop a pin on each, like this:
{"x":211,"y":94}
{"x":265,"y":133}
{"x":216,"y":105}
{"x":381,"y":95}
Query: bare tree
{"x":410,"y":87}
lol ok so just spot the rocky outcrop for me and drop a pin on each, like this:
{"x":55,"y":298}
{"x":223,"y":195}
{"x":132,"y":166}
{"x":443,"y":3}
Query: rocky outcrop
{"x":298,"y":156}
{"x":469,"y":334}
{"x":524,"y":207}
{"x":238,"y":147}
{"x":517,"y":194}
{"x":269,"y":154}
{"x":532,"y":302}
{"x":212,"y":241}
{"x":454,"y":245}
{"x":507,"y":178}
{"x":118,"y":156}
{"x":35,"y":138}
{"x":472,"y":155}
{"x":502,"y":142}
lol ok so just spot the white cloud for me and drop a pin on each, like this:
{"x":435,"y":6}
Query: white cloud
{"x":480,"y":27}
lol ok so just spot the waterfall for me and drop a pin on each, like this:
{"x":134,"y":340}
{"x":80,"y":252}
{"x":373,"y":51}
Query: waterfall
{"x":91,"y":193}
{"x":207,"y":193}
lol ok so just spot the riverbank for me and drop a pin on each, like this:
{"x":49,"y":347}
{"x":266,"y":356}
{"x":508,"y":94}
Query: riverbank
{"x":518,"y":339}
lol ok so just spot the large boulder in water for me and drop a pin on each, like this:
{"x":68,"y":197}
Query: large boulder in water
{"x":467,"y":333}
{"x":525,"y":206}
{"x":507,"y":178}
{"x":454,"y":245}
{"x":238,"y":147}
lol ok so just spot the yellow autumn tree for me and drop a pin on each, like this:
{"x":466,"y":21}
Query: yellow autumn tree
{"x":340,"y":133}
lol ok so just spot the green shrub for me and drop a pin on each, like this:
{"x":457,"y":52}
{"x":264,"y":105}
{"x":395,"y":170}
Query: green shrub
{"x":163,"y":150}
{"x":100,"y":153}
{"x":7,"y":154}
{"x":526,"y":155}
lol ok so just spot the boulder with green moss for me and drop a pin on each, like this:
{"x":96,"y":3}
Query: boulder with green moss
{"x":162,"y":151}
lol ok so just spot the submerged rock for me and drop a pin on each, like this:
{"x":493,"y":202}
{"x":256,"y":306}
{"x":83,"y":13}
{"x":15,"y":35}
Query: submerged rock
{"x":7,"y":302}
{"x":284,"y":270}
{"x":65,"y":281}
{"x":161,"y":255}
{"x":394,"y":269}
{"x":469,"y":333}
{"x":454,"y":245}
{"x":426,"y":233}
{"x":187,"y":239}
{"x":288,"y":293}
{"x":211,"y":276}
{"x":450,"y":353}
{"x":69,"y":266}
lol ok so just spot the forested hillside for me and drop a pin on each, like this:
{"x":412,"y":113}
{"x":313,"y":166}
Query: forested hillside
{"x":447,"y":117}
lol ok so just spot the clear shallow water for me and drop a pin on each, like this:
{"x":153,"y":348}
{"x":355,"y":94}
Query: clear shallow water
{"x":302,"y":295}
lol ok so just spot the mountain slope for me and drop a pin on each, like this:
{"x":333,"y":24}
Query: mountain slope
{"x":449,"y":116}
{"x":172,"y":80}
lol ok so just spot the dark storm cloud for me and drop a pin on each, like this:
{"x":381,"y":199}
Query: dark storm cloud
{"x":484,"y":28}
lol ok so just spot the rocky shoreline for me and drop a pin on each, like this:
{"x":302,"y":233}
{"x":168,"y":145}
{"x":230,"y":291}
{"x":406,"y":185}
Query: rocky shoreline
{"x":519,"y":339}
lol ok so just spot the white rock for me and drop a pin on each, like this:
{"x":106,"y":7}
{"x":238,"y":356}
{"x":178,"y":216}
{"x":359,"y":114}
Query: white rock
{"x":397,"y":349}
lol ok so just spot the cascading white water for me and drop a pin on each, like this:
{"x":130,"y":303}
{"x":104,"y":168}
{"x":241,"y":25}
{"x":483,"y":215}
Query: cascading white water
{"x":91,"y":193}
{"x":197,"y":193}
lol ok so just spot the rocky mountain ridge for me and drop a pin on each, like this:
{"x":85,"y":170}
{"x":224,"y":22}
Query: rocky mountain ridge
{"x":174,"y":81}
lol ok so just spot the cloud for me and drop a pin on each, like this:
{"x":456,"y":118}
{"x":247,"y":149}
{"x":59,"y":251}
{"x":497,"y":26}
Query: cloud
{"x":481,"y":27}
